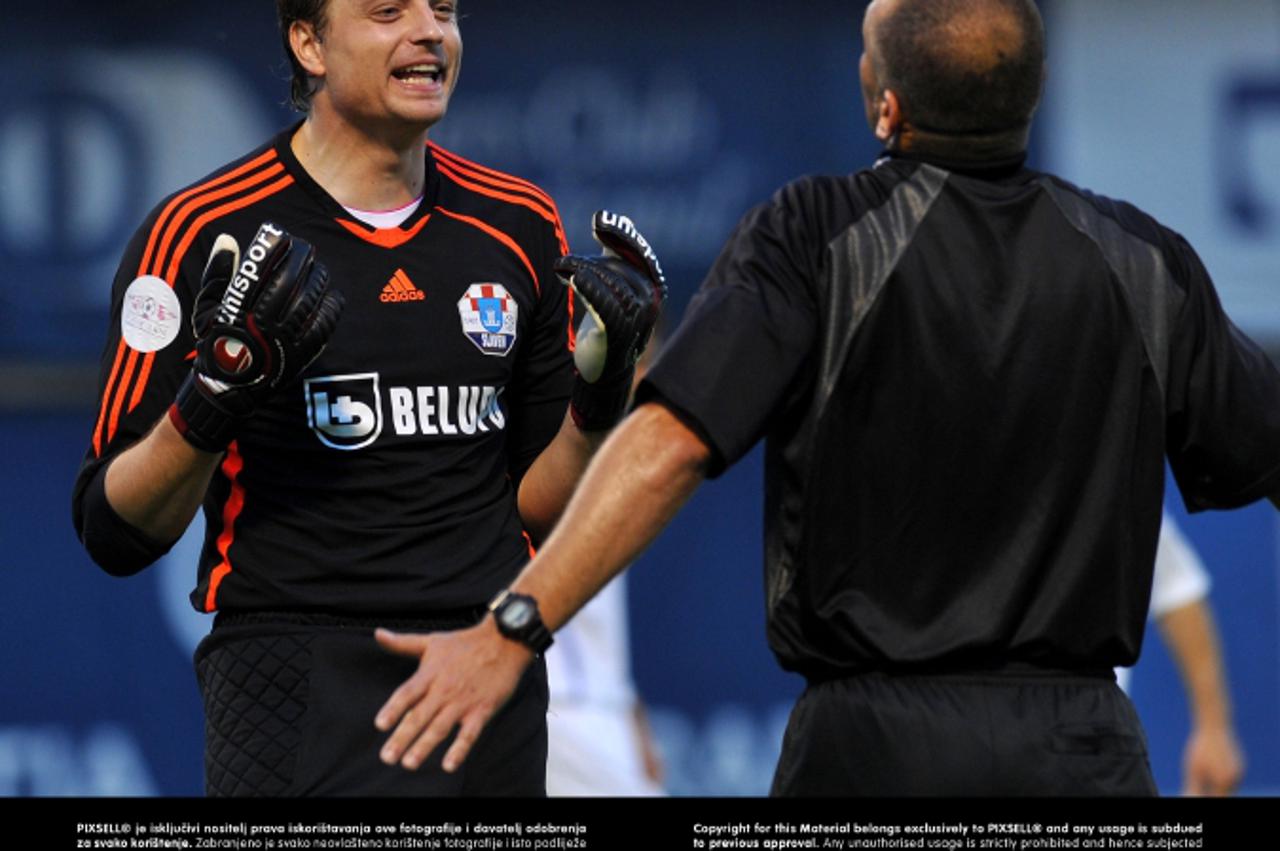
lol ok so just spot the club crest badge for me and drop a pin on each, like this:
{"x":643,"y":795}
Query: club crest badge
{"x":489,"y":318}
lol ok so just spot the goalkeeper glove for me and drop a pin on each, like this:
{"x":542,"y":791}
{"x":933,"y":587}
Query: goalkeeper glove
{"x":258,"y":323}
{"x":623,"y":289}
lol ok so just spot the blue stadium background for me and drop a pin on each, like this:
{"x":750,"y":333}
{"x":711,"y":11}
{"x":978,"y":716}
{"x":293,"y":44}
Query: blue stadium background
{"x":681,"y":114}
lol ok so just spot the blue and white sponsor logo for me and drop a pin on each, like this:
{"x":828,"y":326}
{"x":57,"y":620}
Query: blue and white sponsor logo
{"x":489,"y":318}
{"x":344,"y":411}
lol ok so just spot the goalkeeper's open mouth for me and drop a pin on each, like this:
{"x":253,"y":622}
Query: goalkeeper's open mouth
{"x":427,"y":75}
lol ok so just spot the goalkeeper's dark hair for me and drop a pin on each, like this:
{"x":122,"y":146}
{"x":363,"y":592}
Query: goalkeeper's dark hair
{"x":964,"y":67}
{"x":301,"y":84}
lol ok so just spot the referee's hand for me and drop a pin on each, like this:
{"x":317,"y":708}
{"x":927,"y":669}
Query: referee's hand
{"x":463,"y":679}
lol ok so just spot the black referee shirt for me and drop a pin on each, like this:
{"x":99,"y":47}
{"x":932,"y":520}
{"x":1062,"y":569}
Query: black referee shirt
{"x":968,"y":381}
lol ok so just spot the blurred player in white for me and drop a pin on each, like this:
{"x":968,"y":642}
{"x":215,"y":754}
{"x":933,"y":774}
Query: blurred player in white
{"x":1212,"y":762}
{"x":599,"y":742}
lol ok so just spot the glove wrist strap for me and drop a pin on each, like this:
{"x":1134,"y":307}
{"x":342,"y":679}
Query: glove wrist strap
{"x":200,"y":420}
{"x":599,"y":406}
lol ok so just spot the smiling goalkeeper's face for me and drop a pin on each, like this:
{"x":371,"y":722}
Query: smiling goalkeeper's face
{"x":383,"y":64}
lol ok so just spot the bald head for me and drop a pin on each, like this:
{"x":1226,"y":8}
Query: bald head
{"x":959,"y":67}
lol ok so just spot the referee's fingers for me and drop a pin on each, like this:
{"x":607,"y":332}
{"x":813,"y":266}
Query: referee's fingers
{"x":405,"y":644}
{"x":401,"y":701}
{"x":470,"y":730}
{"x":423,"y":712}
{"x":443,"y":722}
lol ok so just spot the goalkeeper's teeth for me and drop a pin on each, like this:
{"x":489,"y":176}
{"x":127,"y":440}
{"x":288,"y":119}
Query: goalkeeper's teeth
{"x":416,"y":73}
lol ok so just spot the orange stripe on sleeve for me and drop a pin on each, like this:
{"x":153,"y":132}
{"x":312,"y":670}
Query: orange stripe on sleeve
{"x":106,"y":399}
{"x":573,"y":331}
{"x":461,"y":166}
{"x":501,"y":237}
{"x":143,"y":375}
{"x":564,"y":241}
{"x":461,"y":179}
{"x":114,"y":422}
{"x":509,"y":180}
{"x":217,"y":213}
{"x":231,"y":467}
{"x":199,"y":201}
{"x":545,"y":208}
{"x":195,"y":190}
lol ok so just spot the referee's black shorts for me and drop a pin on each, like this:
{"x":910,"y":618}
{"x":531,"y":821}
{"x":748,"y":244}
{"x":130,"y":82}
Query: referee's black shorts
{"x":965,"y":736}
{"x":289,"y":707}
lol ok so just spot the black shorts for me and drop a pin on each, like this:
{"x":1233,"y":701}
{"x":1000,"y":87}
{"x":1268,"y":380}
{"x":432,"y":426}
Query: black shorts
{"x":289,"y":710}
{"x":964,"y":736}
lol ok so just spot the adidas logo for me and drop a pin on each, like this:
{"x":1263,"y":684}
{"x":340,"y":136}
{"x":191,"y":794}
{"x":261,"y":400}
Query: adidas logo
{"x":400,"y":288}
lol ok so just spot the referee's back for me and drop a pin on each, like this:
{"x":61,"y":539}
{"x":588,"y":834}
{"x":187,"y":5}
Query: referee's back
{"x":974,"y":477}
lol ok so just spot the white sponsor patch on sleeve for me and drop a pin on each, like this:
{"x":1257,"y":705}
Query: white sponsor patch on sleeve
{"x":151,"y":315}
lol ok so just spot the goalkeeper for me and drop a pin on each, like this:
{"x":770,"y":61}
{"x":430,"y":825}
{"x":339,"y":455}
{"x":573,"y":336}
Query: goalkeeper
{"x":379,"y":411}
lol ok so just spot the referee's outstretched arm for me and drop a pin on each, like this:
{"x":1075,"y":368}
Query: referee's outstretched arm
{"x":644,"y":473}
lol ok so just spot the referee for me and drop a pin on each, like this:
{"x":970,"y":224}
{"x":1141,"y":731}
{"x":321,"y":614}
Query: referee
{"x":968,"y":375}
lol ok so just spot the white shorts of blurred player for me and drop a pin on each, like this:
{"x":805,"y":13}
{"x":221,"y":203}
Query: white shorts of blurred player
{"x":594,"y":752}
{"x":593,"y":738}
{"x":1180,"y":578}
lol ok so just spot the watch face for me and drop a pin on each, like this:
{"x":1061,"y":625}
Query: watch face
{"x":517,"y":614}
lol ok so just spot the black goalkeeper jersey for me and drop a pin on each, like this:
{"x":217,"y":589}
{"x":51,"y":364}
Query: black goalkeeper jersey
{"x":384,"y":481}
{"x":969,"y":382}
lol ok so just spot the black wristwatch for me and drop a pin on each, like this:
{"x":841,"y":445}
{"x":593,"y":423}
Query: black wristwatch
{"x":518,"y":618}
